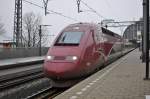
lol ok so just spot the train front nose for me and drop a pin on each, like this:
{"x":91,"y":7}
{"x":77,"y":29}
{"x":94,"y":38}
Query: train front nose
{"x":61,"y":68}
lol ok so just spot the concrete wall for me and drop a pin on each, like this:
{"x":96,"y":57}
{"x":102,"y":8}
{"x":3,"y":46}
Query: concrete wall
{"x":6,"y":53}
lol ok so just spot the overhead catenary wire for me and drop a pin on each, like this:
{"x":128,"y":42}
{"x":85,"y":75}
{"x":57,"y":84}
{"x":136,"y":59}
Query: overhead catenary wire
{"x":60,"y":14}
{"x":93,"y":10}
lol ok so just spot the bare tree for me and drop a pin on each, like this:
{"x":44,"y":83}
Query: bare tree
{"x":2,"y":30}
{"x":31,"y":24}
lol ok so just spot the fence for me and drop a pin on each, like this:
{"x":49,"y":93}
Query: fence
{"x":6,"y":53}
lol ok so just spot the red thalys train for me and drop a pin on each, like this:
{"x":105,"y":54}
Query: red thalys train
{"x":79,"y":50}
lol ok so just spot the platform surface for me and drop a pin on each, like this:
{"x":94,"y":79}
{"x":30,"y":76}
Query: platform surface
{"x":122,"y":79}
{"x":13,"y":61}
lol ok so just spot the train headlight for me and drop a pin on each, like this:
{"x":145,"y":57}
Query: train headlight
{"x":71,"y":58}
{"x":48,"y":58}
{"x":74,"y":58}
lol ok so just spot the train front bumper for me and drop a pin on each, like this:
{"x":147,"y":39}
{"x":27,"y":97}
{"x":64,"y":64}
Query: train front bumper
{"x":62,"y":70}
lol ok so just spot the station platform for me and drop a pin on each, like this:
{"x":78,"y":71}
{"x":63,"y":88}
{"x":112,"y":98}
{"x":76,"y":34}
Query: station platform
{"x":123,"y":79}
{"x":15,"y":62}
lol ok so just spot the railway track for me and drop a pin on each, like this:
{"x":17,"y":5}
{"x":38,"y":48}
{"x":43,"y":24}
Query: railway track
{"x":19,"y":80}
{"x":49,"y":92}
{"x":11,"y":77}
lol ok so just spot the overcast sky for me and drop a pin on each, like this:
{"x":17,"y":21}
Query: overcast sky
{"x":118,"y":10}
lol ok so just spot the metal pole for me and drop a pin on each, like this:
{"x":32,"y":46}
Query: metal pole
{"x":143,"y":58}
{"x":18,"y":23}
{"x":40,"y":35}
{"x":146,"y":35}
{"x":144,"y":31}
{"x":147,"y":39}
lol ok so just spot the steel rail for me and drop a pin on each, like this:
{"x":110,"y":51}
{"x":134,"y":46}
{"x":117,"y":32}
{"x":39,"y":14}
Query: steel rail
{"x":20,"y":80}
{"x":20,"y":74}
{"x":49,"y":92}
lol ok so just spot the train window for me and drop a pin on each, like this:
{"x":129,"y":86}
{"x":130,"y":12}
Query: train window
{"x":69,"y":38}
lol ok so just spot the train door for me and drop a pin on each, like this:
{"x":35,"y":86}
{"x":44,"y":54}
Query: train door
{"x":96,"y":48}
{"x":99,"y":38}
{"x":90,"y":55}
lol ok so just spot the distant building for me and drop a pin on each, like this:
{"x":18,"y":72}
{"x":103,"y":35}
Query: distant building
{"x":7,"y":44}
{"x":133,"y":32}
{"x":6,"y":41}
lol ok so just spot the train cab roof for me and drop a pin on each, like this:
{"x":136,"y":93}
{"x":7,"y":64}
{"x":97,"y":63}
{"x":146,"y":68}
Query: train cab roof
{"x":80,"y":26}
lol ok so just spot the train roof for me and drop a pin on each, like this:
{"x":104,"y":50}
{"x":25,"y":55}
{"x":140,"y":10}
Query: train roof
{"x":87,"y":25}
{"x":83,"y":24}
{"x":79,"y":26}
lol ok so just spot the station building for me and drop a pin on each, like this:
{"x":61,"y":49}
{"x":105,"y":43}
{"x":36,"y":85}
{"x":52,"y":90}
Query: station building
{"x":133,"y":32}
